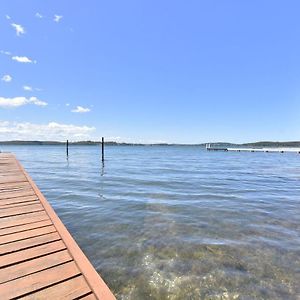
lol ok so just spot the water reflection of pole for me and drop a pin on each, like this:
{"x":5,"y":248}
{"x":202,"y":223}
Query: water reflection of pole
{"x":102,"y":169}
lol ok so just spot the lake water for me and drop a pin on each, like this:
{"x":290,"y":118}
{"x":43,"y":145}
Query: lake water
{"x":178,"y":222}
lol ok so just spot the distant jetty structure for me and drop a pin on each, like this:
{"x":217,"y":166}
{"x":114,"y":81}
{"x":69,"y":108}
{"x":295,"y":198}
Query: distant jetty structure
{"x":211,"y":147}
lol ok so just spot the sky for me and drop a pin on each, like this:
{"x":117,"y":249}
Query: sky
{"x":150,"y":71}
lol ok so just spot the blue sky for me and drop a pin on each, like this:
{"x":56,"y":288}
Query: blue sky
{"x":150,"y":71}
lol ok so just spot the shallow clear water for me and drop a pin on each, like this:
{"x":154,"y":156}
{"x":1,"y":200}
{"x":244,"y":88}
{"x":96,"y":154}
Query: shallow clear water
{"x":178,"y":222}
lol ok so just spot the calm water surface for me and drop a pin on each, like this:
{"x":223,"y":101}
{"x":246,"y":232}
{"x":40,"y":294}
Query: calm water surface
{"x":178,"y":222}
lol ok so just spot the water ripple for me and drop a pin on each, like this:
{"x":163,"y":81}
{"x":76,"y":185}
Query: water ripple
{"x":179,"y":222}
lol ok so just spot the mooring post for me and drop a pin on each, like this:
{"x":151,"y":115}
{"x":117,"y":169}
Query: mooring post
{"x":67,"y":147}
{"x":102,"y":144}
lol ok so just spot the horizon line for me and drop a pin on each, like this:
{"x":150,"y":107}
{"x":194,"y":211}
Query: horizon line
{"x":140,"y":143}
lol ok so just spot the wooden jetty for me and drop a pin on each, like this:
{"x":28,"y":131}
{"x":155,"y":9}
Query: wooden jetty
{"x":209,"y":147}
{"x":39,"y":259}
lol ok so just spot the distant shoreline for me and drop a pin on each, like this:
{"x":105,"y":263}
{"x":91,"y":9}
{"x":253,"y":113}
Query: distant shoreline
{"x":95,"y":143}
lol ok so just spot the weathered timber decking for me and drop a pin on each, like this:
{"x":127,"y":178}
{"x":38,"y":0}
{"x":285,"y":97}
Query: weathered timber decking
{"x":38,"y":257}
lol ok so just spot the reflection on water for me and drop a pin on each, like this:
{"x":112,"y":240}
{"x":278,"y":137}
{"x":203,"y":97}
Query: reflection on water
{"x":179,"y":222}
{"x":102,"y":168}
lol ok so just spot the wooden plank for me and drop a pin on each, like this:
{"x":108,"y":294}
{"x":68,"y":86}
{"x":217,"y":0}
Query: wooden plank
{"x":10,"y":174}
{"x":11,"y":205}
{"x":23,"y":219}
{"x":14,"y":185}
{"x":14,"y":190}
{"x":17,"y":200}
{"x":36,"y":281}
{"x":34,"y":265}
{"x":5,"y":167}
{"x":24,"y":244}
{"x":15,"y":194}
{"x":25,"y":227}
{"x":4,"y":184}
{"x":20,"y":210}
{"x":30,"y":253}
{"x":70,"y":289}
{"x":10,"y":170}
{"x":26,"y":234}
{"x":10,"y":179}
{"x":89,"y":297}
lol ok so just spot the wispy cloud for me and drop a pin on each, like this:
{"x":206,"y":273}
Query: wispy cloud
{"x":20,"y":101}
{"x":6,"y":78}
{"x":27,"y":88}
{"x":57,"y":18}
{"x":80,"y":109}
{"x":7,"y":17}
{"x":50,"y":131}
{"x":23,"y":59}
{"x":5,"y":52}
{"x":19,"y":29}
{"x":38,"y":15}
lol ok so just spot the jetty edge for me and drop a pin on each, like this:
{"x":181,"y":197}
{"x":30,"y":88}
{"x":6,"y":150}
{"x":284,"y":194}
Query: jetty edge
{"x":39,"y":259}
{"x":210,"y":147}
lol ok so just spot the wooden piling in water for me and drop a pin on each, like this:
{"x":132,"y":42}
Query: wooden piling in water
{"x":67,"y":147}
{"x":102,"y":144}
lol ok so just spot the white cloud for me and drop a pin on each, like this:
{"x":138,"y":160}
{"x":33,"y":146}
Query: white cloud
{"x":5,"y":52}
{"x":67,"y":104}
{"x":19,"y":28}
{"x":6,"y":78}
{"x":20,"y":101}
{"x":57,"y":18}
{"x":23,"y":59}
{"x":80,"y":109}
{"x":113,"y":138}
{"x":27,"y":88}
{"x":38,"y":15}
{"x":7,"y":17}
{"x":50,"y":131}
